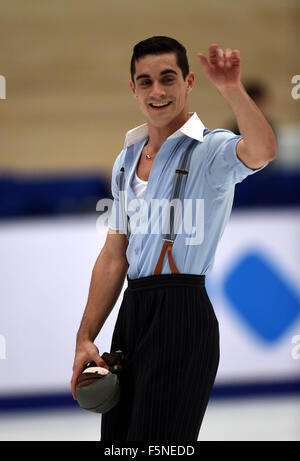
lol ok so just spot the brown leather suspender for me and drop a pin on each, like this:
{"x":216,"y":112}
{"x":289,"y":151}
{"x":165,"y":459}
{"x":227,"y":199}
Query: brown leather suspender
{"x":177,"y":193}
{"x":174,"y":270}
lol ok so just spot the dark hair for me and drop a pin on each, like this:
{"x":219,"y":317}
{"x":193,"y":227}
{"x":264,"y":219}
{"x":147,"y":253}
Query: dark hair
{"x":256,"y":90}
{"x":160,"y":45}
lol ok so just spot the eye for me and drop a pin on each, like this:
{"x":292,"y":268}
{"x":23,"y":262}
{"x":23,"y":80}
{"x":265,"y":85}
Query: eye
{"x":168,"y":80}
{"x":145,"y":82}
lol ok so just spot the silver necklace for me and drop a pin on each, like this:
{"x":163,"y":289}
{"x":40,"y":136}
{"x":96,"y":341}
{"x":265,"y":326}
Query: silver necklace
{"x":147,"y":155}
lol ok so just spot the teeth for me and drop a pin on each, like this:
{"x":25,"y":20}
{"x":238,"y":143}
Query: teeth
{"x":160,"y":105}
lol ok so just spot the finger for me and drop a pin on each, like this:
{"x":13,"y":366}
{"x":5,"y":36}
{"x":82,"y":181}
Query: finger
{"x":220,"y":57}
{"x":228,"y":53}
{"x":101,"y":363}
{"x":228,"y":56}
{"x":76,"y":372}
{"x":235,"y":57}
{"x":99,"y":360}
{"x":204,"y":61}
{"x":73,"y":386}
{"x":213,"y":55}
{"x":77,"y":369}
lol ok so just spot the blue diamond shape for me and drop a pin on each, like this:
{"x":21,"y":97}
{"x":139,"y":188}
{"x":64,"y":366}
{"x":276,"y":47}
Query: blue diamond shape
{"x":261,"y":297}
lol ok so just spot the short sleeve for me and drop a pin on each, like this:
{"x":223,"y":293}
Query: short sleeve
{"x":113,"y":219}
{"x":224,"y":168}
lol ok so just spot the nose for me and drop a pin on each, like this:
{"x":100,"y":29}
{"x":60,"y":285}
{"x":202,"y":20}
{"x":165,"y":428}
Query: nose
{"x":157,"y":91}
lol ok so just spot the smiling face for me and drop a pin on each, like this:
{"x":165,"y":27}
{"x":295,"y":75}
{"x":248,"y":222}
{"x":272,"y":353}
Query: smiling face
{"x":160,"y":89}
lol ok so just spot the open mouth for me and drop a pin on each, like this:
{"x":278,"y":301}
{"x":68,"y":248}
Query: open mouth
{"x":161,"y":105}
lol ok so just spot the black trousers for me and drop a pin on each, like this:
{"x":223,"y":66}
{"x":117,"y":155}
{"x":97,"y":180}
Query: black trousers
{"x":168,"y":331}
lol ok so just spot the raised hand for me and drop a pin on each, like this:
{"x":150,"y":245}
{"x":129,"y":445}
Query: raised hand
{"x":223,"y":68}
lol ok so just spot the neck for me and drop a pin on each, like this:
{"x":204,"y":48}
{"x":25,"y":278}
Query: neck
{"x":158,"y":135}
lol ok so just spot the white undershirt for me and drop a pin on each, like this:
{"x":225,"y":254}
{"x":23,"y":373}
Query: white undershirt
{"x":139,"y":186}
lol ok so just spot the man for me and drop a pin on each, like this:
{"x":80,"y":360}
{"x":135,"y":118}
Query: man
{"x":166,"y":325}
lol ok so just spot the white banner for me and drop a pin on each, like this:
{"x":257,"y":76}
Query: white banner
{"x":46,"y":267}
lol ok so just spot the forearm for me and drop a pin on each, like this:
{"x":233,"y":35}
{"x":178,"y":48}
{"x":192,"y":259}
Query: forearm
{"x":106,"y":284}
{"x":256,"y":131}
{"x":258,"y":142}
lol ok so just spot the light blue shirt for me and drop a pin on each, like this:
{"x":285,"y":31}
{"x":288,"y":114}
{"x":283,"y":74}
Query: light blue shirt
{"x":214,"y":170}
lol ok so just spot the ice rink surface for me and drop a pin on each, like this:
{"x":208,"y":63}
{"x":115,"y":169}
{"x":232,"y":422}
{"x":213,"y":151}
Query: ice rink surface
{"x":255,"y":419}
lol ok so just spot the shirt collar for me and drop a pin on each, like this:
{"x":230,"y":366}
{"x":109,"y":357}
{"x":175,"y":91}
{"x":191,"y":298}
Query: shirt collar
{"x":193,"y":128}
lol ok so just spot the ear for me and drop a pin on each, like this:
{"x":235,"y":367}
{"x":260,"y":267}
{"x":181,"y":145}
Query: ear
{"x":190,"y":80}
{"x":132,"y":87}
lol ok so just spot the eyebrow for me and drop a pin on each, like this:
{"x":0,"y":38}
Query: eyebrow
{"x":163,"y":72}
